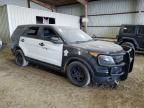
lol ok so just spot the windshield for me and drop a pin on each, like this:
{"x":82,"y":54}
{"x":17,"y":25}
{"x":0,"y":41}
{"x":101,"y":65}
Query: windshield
{"x":73,"y":35}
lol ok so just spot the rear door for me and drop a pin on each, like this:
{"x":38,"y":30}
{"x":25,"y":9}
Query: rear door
{"x":140,"y":36}
{"x":30,"y":43}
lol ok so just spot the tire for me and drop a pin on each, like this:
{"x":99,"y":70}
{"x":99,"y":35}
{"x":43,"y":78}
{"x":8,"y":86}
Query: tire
{"x":124,"y":77}
{"x":129,"y":44}
{"x":78,"y":74}
{"x":20,"y":59}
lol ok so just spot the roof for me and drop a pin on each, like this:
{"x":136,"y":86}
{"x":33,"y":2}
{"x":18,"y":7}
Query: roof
{"x":35,"y":25}
{"x":40,"y":25}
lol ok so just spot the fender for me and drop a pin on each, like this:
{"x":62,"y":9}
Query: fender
{"x":129,"y":39}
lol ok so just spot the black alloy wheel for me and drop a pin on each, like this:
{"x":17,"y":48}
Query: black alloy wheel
{"x":78,"y":74}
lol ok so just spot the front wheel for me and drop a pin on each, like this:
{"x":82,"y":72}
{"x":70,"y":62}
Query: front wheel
{"x":20,"y":59}
{"x":78,"y":74}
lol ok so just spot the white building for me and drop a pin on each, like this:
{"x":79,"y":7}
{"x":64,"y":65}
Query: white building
{"x":12,"y":16}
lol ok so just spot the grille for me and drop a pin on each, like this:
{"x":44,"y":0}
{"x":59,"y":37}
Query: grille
{"x":116,"y":70}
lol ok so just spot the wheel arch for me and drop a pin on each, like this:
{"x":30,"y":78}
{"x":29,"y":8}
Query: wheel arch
{"x":129,"y":40}
{"x":82,"y":60}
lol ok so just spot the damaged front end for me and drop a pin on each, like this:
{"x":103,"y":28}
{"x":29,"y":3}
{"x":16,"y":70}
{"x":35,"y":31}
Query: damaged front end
{"x":113,"y":68}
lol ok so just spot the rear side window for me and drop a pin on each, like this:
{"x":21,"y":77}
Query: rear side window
{"x":141,"y":30}
{"x":128,"y":29}
{"x":33,"y":31}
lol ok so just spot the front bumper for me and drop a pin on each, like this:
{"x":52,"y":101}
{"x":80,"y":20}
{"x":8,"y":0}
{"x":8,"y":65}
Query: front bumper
{"x":109,"y":74}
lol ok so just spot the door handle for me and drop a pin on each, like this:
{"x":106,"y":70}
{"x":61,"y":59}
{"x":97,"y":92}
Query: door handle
{"x":22,"y":40}
{"x":41,"y":44}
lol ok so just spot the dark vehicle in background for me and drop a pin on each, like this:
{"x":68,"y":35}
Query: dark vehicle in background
{"x":132,"y":36}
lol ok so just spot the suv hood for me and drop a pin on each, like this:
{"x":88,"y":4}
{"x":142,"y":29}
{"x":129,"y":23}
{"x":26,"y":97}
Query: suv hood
{"x":100,"y":46}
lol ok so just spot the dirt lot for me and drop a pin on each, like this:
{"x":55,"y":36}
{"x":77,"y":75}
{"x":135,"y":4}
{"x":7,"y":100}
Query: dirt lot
{"x":34,"y":87}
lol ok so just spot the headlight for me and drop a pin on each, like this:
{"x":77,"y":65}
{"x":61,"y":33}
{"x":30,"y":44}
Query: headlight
{"x":105,"y":60}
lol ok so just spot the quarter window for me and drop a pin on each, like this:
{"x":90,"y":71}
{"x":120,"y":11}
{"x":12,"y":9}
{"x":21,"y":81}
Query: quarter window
{"x":129,"y":29}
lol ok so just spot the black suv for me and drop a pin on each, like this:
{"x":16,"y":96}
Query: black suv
{"x":132,"y":35}
{"x":73,"y":52}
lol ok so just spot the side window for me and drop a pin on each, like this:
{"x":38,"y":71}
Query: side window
{"x":129,"y":29}
{"x":50,"y":35}
{"x":141,"y":30}
{"x":32,"y":32}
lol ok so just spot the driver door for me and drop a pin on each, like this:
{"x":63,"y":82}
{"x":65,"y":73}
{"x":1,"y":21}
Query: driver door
{"x":52,"y":47}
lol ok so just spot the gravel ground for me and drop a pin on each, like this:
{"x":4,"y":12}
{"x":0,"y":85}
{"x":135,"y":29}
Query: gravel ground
{"x":35,"y":87}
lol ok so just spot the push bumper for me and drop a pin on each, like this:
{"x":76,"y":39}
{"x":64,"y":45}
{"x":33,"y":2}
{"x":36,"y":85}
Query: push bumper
{"x":111,"y":74}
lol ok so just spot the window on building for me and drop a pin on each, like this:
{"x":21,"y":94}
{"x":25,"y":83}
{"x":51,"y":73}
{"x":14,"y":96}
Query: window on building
{"x":51,"y":20}
{"x":129,"y":29}
{"x":45,"y":20}
{"x":39,"y":20}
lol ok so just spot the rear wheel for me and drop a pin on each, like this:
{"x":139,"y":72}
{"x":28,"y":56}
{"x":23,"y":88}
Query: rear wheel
{"x":20,"y":59}
{"x":129,"y":44}
{"x":78,"y":74}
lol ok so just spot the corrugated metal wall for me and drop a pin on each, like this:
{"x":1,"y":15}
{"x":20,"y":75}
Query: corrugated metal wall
{"x":106,"y":15}
{"x":20,"y":15}
{"x":4,"y":26}
{"x":71,"y":10}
